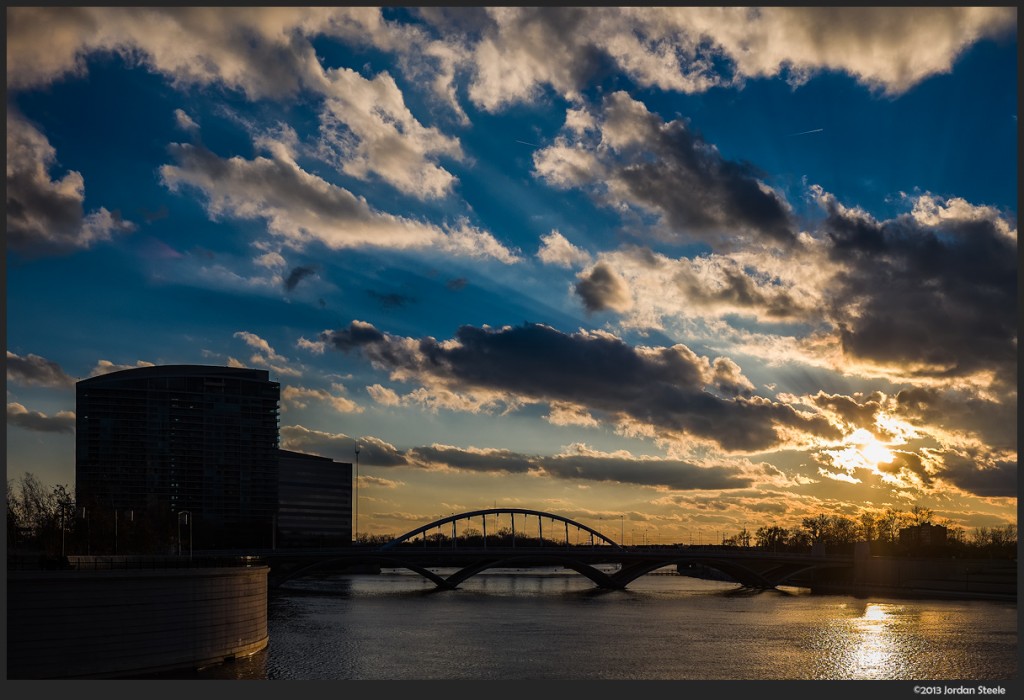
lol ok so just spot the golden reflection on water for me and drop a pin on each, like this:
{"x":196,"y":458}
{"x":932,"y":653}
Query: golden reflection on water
{"x":876,"y":644}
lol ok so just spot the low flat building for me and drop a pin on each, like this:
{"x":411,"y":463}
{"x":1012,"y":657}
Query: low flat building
{"x":314,"y":501}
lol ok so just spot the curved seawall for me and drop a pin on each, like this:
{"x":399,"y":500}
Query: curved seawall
{"x":79,"y":624}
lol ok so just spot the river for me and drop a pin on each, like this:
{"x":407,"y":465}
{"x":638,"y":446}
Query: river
{"x":554,"y":625}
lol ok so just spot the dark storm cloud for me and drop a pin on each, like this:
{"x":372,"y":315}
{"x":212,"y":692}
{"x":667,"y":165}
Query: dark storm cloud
{"x":601,"y":288}
{"x":668,"y":473}
{"x":701,"y":194}
{"x":297,"y":275}
{"x":668,"y":168}
{"x":372,"y":451}
{"x":37,"y":371}
{"x":861,"y":415}
{"x":661,"y":387}
{"x":995,"y":422}
{"x":63,"y":422}
{"x":940,"y":299}
{"x":473,"y":460}
{"x":673,"y":474}
{"x":357,"y":335}
{"x":995,"y":480}
{"x":46,"y":216}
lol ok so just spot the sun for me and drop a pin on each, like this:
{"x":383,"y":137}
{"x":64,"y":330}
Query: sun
{"x":873,"y":451}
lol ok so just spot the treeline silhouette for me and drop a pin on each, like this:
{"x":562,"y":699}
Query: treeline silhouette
{"x":50,"y":523}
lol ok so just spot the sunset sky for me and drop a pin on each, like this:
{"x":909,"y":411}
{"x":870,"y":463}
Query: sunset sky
{"x":673,"y":270}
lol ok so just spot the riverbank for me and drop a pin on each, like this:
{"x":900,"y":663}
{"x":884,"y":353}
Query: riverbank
{"x":946,"y":579}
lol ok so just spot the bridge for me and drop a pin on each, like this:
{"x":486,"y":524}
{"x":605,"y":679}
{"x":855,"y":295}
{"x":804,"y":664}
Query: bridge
{"x":421,"y":552}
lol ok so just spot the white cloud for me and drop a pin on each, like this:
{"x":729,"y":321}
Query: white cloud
{"x":367,"y":128}
{"x":302,"y":208}
{"x":691,"y":49}
{"x":383,"y":395}
{"x":260,"y":345}
{"x":557,"y":250}
{"x":298,"y":397}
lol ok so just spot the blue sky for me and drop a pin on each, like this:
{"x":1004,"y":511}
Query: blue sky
{"x":681,"y":268}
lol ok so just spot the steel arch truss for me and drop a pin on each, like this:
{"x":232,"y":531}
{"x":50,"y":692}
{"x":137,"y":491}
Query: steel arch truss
{"x":497,"y":511}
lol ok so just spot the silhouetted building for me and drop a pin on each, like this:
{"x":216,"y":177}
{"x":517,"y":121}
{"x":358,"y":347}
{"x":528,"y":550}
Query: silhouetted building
{"x":926,"y":535}
{"x":314,"y":501}
{"x":153,"y":442}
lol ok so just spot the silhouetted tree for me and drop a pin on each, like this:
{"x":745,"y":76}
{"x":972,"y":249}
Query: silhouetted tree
{"x":771,"y":537}
{"x":920,"y":515}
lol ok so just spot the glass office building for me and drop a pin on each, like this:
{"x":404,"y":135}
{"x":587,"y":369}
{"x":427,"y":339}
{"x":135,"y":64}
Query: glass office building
{"x":181,"y":443}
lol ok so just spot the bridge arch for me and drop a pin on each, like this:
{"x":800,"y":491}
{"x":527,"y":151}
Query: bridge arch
{"x":497,"y":511}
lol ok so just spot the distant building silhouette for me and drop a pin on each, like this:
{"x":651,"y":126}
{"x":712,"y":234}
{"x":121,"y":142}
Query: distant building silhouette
{"x":314,"y":501}
{"x":166,"y":439}
{"x":926,"y":535}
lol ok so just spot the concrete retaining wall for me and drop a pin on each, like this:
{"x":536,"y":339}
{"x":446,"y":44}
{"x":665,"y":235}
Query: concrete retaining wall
{"x":77,"y":624}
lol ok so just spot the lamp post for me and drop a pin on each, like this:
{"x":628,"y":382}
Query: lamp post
{"x":356,"y":499}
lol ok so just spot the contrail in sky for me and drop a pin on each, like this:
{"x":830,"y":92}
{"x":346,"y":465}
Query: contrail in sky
{"x":812,"y":131}
{"x":527,"y":144}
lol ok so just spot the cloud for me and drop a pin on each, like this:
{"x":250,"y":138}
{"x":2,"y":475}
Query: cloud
{"x":267,"y":53}
{"x":758,"y":285}
{"x":373,"y":451}
{"x":471,"y":459}
{"x":383,"y":395}
{"x":581,"y":463}
{"x":993,"y":479}
{"x":560,"y":413}
{"x":664,"y":389}
{"x":314,"y":346}
{"x":520,"y":52}
{"x":964,"y":416}
{"x":365,"y":127}
{"x":261,"y":346}
{"x":511,"y":54}
{"x":184,"y":121}
{"x":933,"y":293}
{"x":106,"y":367}
{"x":297,"y":275}
{"x":44,"y":216}
{"x":297,"y":397}
{"x":33,"y":370}
{"x":301,"y":208}
{"x":620,"y":468}
{"x":378,"y":482}
{"x":556,"y":249}
{"x":632,"y":160}
{"x":63,"y":422}
{"x":601,"y":288}
{"x":263,"y":53}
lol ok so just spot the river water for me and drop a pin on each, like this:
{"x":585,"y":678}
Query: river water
{"x":554,"y":625}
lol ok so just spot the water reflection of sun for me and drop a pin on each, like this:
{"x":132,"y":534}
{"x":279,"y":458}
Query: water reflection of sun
{"x":869,"y":647}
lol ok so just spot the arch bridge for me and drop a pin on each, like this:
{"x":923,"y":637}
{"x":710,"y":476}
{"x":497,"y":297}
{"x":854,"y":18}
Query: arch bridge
{"x":419,"y":552}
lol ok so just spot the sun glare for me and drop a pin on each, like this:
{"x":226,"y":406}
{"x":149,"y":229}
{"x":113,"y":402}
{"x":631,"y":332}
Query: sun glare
{"x":863,"y":451}
{"x":871,"y":448}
